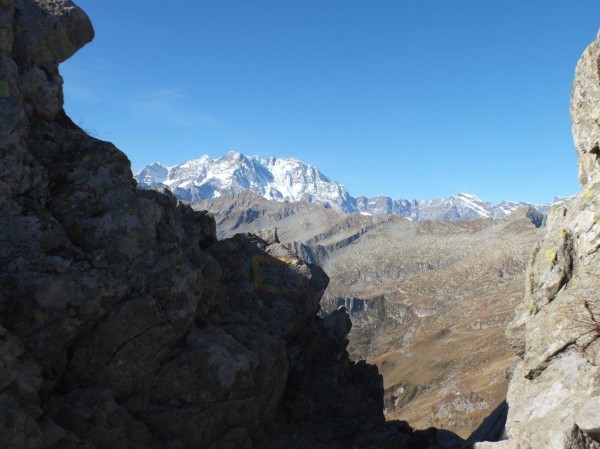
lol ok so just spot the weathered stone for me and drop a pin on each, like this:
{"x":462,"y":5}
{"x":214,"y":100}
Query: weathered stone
{"x":18,"y":428}
{"x":42,"y":91}
{"x":556,"y":328}
{"x":588,"y":417}
{"x":585,"y":114}
{"x":268,"y":235}
{"x":47,"y":32}
{"x":93,"y":416}
{"x":19,"y":373}
{"x":337,"y":325}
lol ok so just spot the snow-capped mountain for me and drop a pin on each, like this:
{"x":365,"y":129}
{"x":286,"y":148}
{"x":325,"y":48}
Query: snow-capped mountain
{"x":274,"y":178}
{"x":282,"y":179}
{"x":463,"y":206}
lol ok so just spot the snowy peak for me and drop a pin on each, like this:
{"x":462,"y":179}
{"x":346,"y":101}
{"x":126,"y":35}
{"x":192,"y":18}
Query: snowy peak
{"x":155,"y":173}
{"x":466,"y":205}
{"x":278,"y":179}
{"x":289,"y":179}
{"x":462,"y":206}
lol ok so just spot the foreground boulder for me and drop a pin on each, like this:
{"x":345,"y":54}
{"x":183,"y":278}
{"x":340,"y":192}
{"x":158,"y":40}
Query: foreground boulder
{"x":124,"y":323}
{"x":554,"y":393}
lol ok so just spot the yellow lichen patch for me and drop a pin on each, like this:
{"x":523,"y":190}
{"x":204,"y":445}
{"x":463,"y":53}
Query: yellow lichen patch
{"x":597,"y":223}
{"x":179,"y":267}
{"x":551,"y":256}
{"x":588,"y":194}
{"x":562,"y":233}
{"x":289,"y":260}
{"x":74,"y":233}
{"x":261,"y":282}
{"x":39,"y":316}
{"x":36,"y":382}
{"x":255,"y":262}
{"x":4,"y":89}
{"x":83,"y":266}
{"x":532,"y":310}
{"x":267,"y":276}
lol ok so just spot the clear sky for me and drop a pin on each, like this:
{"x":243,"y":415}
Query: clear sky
{"x":409,"y":98}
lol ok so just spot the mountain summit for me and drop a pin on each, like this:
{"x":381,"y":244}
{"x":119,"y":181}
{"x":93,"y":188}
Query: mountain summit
{"x":275,"y":179}
{"x":289,"y":179}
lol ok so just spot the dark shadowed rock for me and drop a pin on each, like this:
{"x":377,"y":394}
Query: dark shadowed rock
{"x":588,"y":418}
{"x":492,"y":428}
{"x":124,"y":323}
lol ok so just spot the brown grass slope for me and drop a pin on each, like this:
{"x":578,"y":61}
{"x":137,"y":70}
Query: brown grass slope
{"x":429,"y":301}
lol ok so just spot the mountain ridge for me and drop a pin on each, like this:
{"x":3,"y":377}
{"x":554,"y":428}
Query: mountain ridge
{"x":290,"y":179}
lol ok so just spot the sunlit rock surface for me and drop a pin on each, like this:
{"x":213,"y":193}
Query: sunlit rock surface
{"x":556,"y":331}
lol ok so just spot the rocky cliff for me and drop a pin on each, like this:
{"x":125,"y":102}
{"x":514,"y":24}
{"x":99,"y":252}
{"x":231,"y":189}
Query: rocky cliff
{"x":124,"y":322}
{"x":554,"y":394}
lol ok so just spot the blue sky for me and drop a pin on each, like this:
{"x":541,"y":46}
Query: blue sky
{"x":410,"y":98}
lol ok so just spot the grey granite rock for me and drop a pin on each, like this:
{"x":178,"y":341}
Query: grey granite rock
{"x":588,"y":418}
{"x":585,"y":113}
{"x":557,"y":327}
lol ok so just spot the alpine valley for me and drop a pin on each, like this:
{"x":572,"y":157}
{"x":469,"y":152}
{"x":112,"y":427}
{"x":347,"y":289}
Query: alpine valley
{"x":129,"y":319}
{"x":429,"y":284}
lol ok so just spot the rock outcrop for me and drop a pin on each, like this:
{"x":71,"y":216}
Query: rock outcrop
{"x":124,"y":322}
{"x":554,"y":393}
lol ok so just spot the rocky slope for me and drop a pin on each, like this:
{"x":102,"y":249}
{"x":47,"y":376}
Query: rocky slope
{"x":124,"y":322}
{"x":291,"y":180}
{"x":554,"y":394}
{"x":428,"y":301}
{"x":429,"y":304}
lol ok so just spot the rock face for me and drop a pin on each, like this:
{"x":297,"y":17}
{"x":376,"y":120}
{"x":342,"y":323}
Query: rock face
{"x":124,"y":323}
{"x":554,"y":392}
{"x":585,"y":110}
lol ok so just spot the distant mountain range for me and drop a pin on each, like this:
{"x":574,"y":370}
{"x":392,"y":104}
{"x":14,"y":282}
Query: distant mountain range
{"x":288,"y":179}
